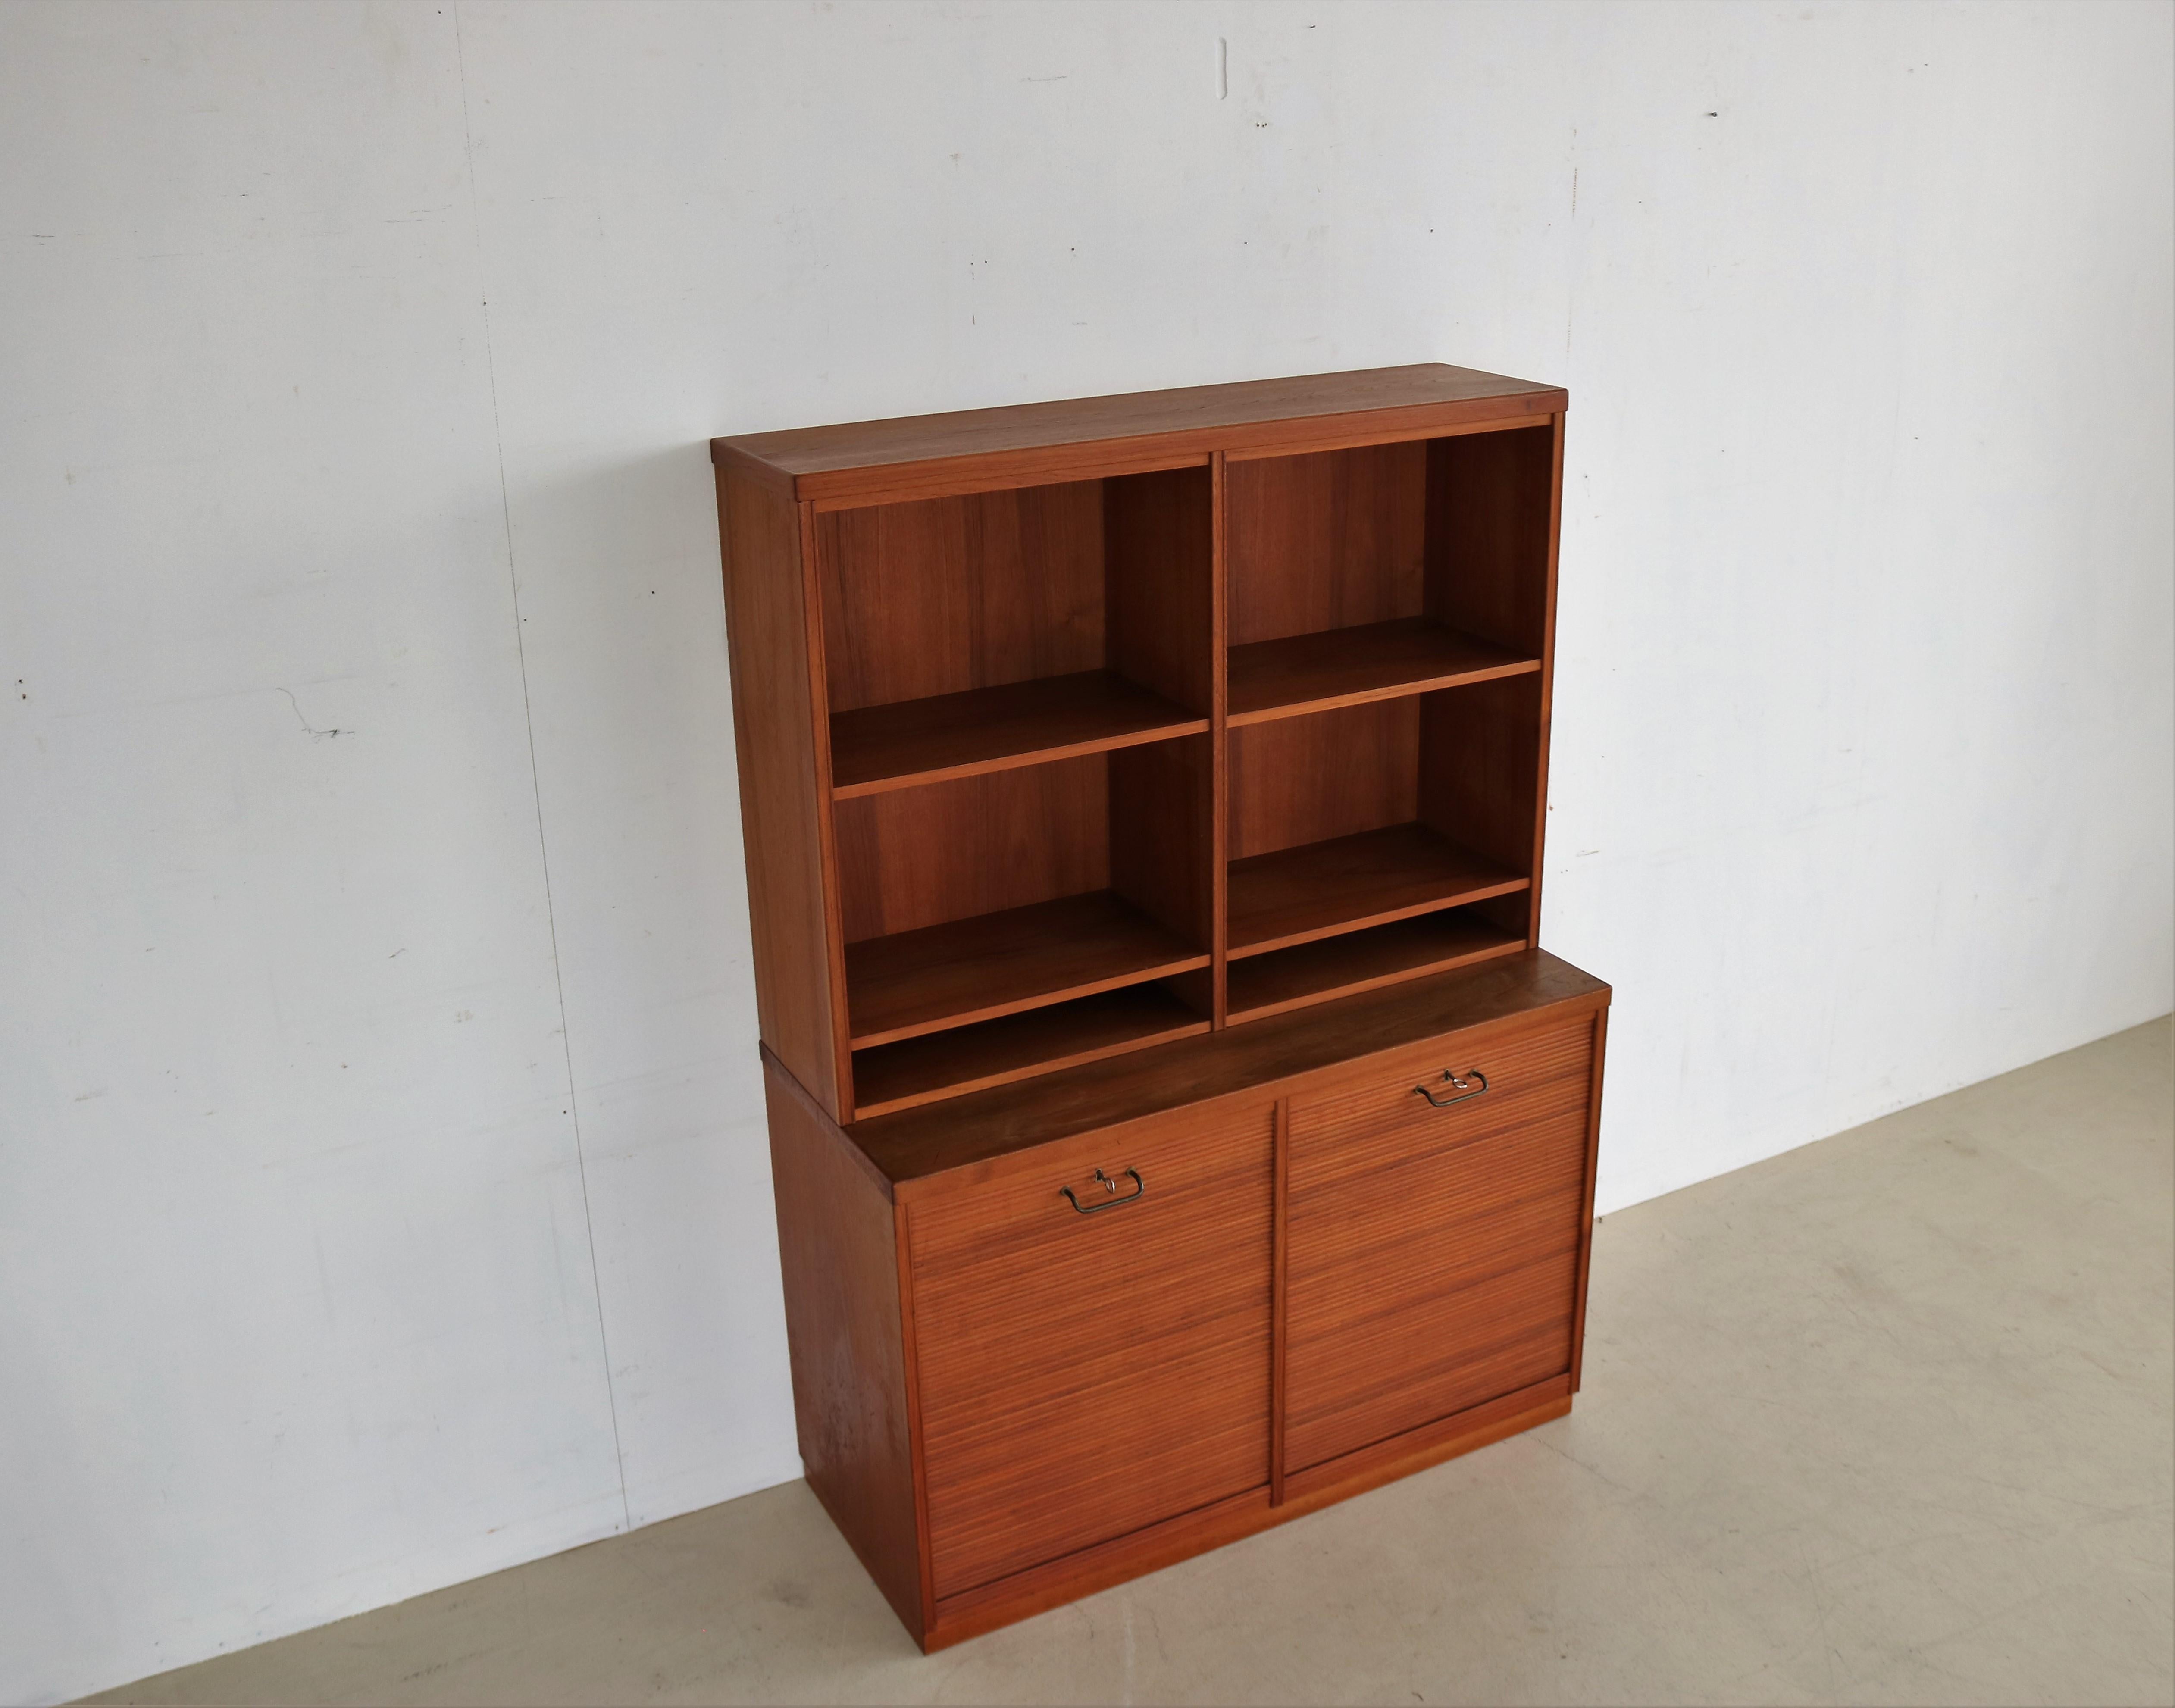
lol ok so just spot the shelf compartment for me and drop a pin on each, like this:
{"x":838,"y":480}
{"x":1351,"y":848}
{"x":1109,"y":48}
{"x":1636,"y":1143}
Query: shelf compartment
{"x":1321,"y":889}
{"x":980,"y":967}
{"x":1018,"y":1046}
{"x":1349,"y":666}
{"x":910,"y":742}
{"x":1364,"y":959}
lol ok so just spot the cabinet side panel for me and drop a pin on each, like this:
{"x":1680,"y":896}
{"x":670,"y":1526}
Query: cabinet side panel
{"x":1161,"y":837}
{"x":1586,"y":1213}
{"x":1158,"y":542}
{"x":1490,"y":534}
{"x":1479,"y":766}
{"x":781,"y":778}
{"x":844,"y":1333}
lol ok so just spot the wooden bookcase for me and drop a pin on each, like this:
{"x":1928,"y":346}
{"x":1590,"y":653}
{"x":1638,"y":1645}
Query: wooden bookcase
{"x":1132,"y":749}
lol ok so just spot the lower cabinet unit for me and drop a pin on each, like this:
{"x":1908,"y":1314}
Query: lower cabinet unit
{"x":1049,"y":1335}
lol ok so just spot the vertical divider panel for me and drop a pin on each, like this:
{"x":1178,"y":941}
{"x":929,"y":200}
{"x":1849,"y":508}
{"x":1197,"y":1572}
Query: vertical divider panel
{"x":1280,"y":1264}
{"x":1157,"y":582}
{"x":826,"y":831}
{"x":1548,"y":705}
{"x":1160,"y":839}
{"x":1219,"y":839}
{"x":1159,"y":620}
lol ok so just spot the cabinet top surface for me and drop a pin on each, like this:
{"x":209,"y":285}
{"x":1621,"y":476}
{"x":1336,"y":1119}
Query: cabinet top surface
{"x":915,"y":1144}
{"x":1177,"y":415}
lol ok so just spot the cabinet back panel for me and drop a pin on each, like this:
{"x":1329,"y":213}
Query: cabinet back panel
{"x":1325,"y":541}
{"x":1084,"y":1375}
{"x":1297,"y":780}
{"x":1489,"y":500}
{"x":915,"y":857}
{"x":951,"y":593}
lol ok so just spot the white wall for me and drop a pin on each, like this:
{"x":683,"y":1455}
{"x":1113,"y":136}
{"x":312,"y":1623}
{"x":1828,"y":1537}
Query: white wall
{"x":382,"y":1194}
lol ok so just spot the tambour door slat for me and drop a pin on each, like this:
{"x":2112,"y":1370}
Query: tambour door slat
{"x":1432,"y":1253}
{"x":1083,"y":1376}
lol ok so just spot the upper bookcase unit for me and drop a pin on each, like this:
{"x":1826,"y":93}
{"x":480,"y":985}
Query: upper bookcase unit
{"x":1072,"y":728}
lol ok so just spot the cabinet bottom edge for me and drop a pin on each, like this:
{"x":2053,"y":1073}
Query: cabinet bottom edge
{"x":971,"y":1612}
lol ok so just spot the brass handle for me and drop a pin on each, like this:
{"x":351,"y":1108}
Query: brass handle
{"x":1464,"y":1084}
{"x":1140,"y":1190}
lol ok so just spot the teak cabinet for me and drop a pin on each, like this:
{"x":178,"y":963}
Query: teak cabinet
{"x":1175,"y":1125}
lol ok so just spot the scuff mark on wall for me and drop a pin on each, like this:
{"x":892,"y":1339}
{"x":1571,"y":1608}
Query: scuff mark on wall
{"x":314,"y":732}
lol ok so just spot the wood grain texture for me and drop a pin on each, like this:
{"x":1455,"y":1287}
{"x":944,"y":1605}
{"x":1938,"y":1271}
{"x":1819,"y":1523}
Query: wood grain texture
{"x":1299,"y":894}
{"x":1280,"y":1302}
{"x":975,"y":969}
{"x":1328,"y":541}
{"x":1036,"y":1040}
{"x":1346,"y":667}
{"x":914,"y":742}
{"x":1031,"y":1592}
{"x":1490,"y":501}
{"x":865,"y":460}
{"x":1084,"y":1375}
{"x":1162,"y":835}
{"x":951,"y":594}
{"x":915,"y":857}
{"x":1158,"y":621}
{"x":1069,"y":734}
{"x":1300,"y":780}
{"x":844,"y":1340}
{"x":1479,"y":768}
{"x":1402,"y":1456}
{"x":1219,"y":747}
{"x":781,"y":779}
{"x":955,"y":1144}
{"x":1586,"y":1208}
{"x":1548,"y":677}
{"x":826,"y":841}
{"x":1261,"y":985}
{"x":1434,"y":1252}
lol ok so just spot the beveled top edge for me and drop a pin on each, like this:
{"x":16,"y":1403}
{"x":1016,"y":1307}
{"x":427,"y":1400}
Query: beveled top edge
{"x":1191,"y":409}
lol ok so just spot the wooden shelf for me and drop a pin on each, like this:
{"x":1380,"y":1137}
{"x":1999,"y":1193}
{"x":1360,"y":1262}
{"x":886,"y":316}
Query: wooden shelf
{"x":997,"y":1052}
{"x":1366,"y":960}
{"x":908,"y":742}
{"x":978,"y":969}
{"x":1319,"y":889}
{"x":1374,"y":661}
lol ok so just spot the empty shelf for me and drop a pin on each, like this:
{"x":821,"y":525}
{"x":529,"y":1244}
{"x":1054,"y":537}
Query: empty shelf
{"x":1319,"y":889}
{"x":971,"y":969}
{"x":1040,"y":1040}
{"x":1364,"y":959}
{"x":912,"y":741}
{"x":1344,"y":667}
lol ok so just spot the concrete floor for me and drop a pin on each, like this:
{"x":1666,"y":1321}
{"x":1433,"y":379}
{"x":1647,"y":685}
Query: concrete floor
{"x":1887,"y":1419}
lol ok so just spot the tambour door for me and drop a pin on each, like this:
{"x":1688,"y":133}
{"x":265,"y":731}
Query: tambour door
{"x":1093,"y":1344}
{"x":1433,"y":1237}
